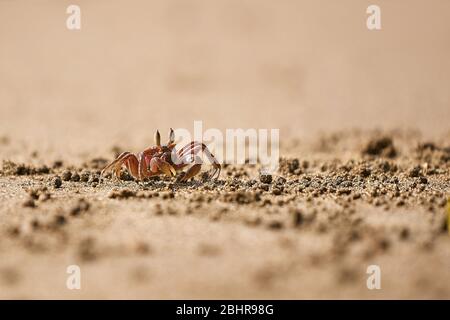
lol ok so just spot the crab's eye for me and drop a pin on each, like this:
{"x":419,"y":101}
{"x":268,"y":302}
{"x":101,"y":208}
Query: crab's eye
{"x":171,"y":136}
{"x":157,"y":138}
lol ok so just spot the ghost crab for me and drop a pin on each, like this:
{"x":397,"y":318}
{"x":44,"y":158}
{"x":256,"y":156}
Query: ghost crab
{"x":164,"y":159}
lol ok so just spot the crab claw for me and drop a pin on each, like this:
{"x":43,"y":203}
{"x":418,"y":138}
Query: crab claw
{"x":167,"y":169}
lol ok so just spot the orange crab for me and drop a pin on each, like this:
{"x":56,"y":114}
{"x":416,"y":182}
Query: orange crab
{"x":164,"y":159}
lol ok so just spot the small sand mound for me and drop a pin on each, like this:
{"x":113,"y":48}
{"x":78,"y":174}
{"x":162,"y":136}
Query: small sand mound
{"x":382,"y":146}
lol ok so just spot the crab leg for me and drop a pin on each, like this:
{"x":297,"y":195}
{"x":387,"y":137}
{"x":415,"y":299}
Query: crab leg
{"x":191,"y":172}
{"x":116,"y":163}
{"x":145,"y":165}
{"x":125,"y":158}
{"x":132,"y":165}
{"x":158,"y":165}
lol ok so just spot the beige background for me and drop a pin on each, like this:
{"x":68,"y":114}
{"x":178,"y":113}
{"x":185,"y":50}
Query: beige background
{"x":301,"y":66}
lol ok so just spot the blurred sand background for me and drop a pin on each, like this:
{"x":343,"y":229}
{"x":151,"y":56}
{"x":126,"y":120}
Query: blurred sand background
{"x":304,"y":67}
{"x":301,"y":66}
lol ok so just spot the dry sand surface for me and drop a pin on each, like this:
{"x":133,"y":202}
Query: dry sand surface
{"x":364,"y":172}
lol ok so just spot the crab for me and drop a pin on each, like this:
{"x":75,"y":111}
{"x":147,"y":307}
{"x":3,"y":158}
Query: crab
{"x":164,"y":159}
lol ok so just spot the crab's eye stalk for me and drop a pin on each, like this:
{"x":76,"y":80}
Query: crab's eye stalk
{"x":157,"y":138}
{"x":171,"y":136}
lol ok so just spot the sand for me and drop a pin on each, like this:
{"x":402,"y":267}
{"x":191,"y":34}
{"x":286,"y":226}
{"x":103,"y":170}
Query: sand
{"x":364,"y":145}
